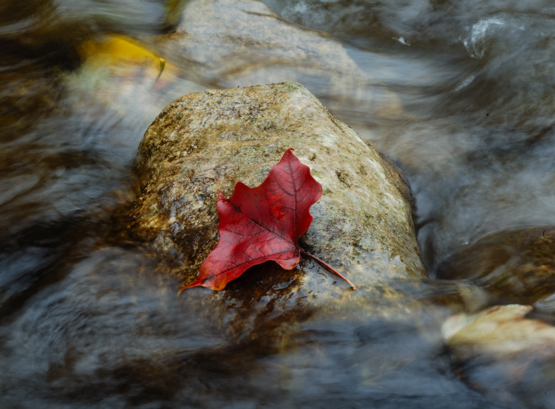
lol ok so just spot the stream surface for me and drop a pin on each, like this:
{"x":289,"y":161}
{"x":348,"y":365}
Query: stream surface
{"x":83,"y":321}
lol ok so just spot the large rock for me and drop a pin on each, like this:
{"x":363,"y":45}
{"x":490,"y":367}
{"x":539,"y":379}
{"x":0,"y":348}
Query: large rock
{"x":205,"y":142}
{"x":273,"y":338}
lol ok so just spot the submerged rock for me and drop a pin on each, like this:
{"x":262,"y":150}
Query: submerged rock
{"x":206,"y":142}
{"x":512,"y":266}
{"x":501,"y":332}
{"x":504,"y":354}
{"x":233,"y":39}
{"x":229,"y":43}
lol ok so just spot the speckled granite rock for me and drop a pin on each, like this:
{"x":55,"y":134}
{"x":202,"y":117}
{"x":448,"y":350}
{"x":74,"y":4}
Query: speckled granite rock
{"x":207,"y":141}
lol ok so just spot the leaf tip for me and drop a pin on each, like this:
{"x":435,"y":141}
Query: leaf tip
{"x":289,"y":152}
{"x":183,"y":289}
{"x":195,"y":283}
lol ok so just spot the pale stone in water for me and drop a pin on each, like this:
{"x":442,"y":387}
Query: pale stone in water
{"x":504,"y":354}
{"x":501,"y":332}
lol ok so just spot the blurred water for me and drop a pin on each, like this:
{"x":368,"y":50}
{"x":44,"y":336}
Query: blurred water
{"x":460,"y":94}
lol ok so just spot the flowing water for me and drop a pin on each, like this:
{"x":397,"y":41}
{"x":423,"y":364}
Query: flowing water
{"x":460,"y":94}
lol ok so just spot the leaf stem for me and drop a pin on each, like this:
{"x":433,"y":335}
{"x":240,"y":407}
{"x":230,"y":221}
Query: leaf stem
{"x":162,"y":66}
{"x":333,"y":270}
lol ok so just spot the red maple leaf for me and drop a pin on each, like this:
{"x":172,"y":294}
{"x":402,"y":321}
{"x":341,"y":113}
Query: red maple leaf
{"x":263,"y":223}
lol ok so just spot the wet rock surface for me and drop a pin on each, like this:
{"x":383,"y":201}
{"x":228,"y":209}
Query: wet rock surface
{"x":206,"y":142}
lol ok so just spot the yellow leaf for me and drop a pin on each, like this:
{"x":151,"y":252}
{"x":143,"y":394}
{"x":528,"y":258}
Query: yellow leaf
{"x":125,"y":57}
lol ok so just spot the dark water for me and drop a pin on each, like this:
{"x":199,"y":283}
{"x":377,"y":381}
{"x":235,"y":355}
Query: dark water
{"x":459,"y":93}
